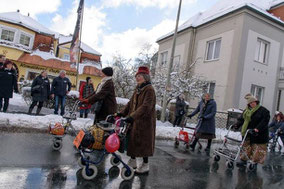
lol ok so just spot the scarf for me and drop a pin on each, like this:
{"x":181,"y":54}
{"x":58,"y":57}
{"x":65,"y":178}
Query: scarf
{"x":247,"y":117}
{"x":88,"y":90}
{"x":104,"y":80}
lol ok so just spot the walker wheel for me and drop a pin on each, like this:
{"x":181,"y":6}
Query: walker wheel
{"x":57,"y":145}
{"x":176,"y":143}
{"x":216,"y":158}
{"x":81,"y":162}
{"x":114,"y":161}
{"x":90,"y":172}
{"x":230,"y":165}
{"x":127,"y":174}
{"x":251,"y":167}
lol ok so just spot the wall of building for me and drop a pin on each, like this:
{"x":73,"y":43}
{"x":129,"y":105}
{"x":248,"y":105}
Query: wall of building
{"x":181,"y":49}
{"x":257,"y":73}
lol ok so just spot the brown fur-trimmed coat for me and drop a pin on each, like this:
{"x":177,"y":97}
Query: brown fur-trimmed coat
{"x":141,"y":108}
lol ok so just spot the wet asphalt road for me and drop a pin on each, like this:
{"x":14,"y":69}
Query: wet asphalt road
{"x":28,"y":161}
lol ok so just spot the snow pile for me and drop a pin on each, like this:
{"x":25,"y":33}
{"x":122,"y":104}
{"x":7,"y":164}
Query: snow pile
{"x":122,"y":101}
{"x":75,"y":94}
{"x":46,"y":55}
{"x":18,"y":100}
{"x":91,"y":64}
{"x":39,"y":122}
{"x":173,"y":101}
{"x":26,"y":21}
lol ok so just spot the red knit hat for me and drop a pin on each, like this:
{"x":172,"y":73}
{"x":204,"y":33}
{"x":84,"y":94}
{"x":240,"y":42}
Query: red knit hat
{"x":143,"y":70}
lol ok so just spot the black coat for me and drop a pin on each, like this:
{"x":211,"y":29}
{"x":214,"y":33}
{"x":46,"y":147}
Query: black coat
{"x":207,"y":112}
{"x":180,"y":107}
{"x":43,"y":92}
{"x":8,"y":83}
{"x":59,"y":86}
{"x":259,"y":120}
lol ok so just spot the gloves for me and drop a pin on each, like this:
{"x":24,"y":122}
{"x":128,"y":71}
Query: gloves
{"x":129,"y":120}
{"x":118,"y":114}
{"x":85,"y":101}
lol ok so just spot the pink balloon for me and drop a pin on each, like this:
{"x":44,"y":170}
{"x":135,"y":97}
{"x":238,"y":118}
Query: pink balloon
{"x":112,"y":143}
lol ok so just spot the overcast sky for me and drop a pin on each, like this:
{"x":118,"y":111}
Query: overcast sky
{"x":111,"y":26}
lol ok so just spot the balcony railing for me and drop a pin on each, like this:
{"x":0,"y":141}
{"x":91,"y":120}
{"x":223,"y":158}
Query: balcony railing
{"x":281,"y":73}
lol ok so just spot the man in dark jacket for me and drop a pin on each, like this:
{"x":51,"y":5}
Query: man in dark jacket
{"x":40,"y":91}
{"x":61,"y":86}
{"x":180,"y":109}
{"x":255,"y":118}
{"x":8,"y":84}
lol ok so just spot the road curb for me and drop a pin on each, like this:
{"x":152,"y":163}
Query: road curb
{"x":17,"y":129}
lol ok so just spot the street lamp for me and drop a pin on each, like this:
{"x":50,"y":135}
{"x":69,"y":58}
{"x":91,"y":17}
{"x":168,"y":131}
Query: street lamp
{"x":170,"y":65}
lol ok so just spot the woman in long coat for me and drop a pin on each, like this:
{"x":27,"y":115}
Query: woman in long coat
{"x":104,"y":95}
{"x":205,"y":128}
{"x":140,"y":112}
{"x":8,"y":84}
{"x":40,"y":91}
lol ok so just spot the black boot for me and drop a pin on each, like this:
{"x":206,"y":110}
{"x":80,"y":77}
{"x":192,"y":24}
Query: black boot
{"x":30,"y":111}
{"x":241,"y":163}
{"x":86,"y":115}
{"x":37,"y":111}
{"x":81,"y":115}
{"x":193,"y":144}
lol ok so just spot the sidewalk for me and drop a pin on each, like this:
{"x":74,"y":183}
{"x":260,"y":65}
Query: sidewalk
{"x":17,"y":120}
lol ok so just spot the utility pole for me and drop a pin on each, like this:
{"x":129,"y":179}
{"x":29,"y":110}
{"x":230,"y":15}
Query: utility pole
{"x":170,"y":65}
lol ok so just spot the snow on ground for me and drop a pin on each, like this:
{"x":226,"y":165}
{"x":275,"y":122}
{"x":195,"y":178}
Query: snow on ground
{"x":17,"y":100}
{"x":163,"y":130}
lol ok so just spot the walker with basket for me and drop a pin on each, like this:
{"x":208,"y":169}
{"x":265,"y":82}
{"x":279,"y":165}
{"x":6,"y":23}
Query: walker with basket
{"x":274,"y":140}
{"x":59,"y":130}
{"x":231,"y":148}
{"x":186,"y":137}
{"x":106,"y":137}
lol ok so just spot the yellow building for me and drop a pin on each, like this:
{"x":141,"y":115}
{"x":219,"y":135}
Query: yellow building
{"x":32,"y":48}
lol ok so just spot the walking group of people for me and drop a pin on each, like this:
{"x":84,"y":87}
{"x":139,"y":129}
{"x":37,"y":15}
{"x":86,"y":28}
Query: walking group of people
{"x":140,"y":112}
{"x":254,"y":118}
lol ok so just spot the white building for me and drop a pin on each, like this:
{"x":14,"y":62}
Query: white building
{"x":239,"y":48}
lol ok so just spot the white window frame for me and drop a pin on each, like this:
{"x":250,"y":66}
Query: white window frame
{"x":209,"y":86}
{"x":254,"y":90}
{"x":176,"y":62}
{"x":164,"y":62}
{"x":213,"y":51}
{"x":28,"y":35}
{"x":2,"y":27}
{"x":262,"y":51}
{"x":65,"y":56}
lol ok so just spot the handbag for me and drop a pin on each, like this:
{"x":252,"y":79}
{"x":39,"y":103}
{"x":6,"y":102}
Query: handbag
{"x":98,"y":106}
{"x":36,"y":89}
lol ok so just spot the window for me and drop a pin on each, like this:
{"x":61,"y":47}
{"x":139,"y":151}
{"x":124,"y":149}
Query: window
{"x":66,"y":57}
{"x":213,"y":49}
{"x":25,"y":40}
{"x":164,"y":57}
{"x":7,"y":35}
{"x":261,"y":53}
{"x":176,"y":63}
{"x":257,"y":91}
{"x":211,"y":89}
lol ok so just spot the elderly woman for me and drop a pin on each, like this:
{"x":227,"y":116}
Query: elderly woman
{"x":40,"y":92}
{"x":205,"y":128}
{"x":256,"y":118}
{"x":104,"y":97}
{"x":140,"y":112}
